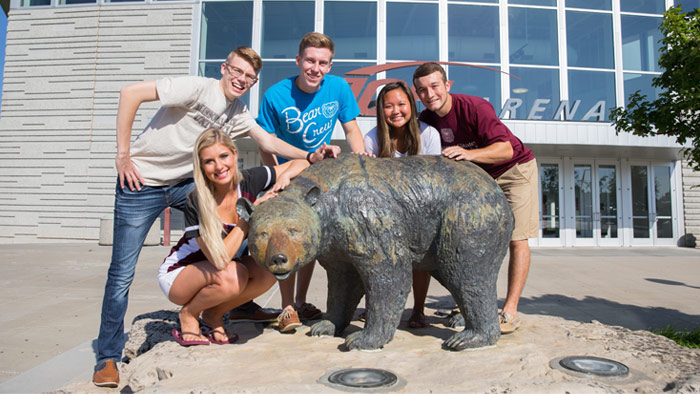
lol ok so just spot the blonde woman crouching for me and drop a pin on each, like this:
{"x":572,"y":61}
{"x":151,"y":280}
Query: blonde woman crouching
{"x":205,"y":272}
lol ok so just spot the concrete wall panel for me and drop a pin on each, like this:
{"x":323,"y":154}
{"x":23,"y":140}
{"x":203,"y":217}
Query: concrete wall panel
{"x":64,"y":68}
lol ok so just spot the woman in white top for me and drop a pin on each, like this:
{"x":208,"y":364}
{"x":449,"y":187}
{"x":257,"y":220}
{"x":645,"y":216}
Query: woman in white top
{"x":399,"y":133}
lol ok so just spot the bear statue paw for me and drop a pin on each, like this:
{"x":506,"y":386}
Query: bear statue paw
{"x":362,"y":341}
{"x":324,"y":327}
{"x":467,"y":340}
{"x":455,"y":321}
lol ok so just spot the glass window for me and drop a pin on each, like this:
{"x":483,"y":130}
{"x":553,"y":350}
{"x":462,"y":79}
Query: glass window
{"x":590,"y":4}
{"x":643,"y":6}
{"x":589,"y":39}
{"x":358,"y":83}
{"x":533,"y":36}
{"x":35,"y":3}
{"x":71,"y":2}
{"x":473,"y":33}
{"x":213,"y":70}
{"x":366,"y":92}
{"x":225,"y":26}
{"x":412,"y":31}
{"x":688,"y":5}
{"x":476,"y":82}
{"x":534,"y":2}
{"x":640,"y":43}
{"x":353,"y":28}
{"x":284,"y":24}
{"x":273,"y":72}
{"x":592,"y":87}
{"x":534,"y":84}
{"x":485,"y":1}
{"x":634,"y":82}
{"x":340,"y":68}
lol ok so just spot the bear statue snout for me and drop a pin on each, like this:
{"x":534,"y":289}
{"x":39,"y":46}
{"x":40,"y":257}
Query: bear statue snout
{"x":278,"y":260}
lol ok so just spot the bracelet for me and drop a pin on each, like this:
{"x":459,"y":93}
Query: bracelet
{"x":308,"y":158}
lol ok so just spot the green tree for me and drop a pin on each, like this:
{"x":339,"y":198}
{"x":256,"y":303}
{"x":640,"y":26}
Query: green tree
{"x":677,"y":110}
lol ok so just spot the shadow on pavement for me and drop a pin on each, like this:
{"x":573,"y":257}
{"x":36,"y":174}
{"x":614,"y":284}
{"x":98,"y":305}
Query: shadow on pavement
{"x":589,"y":308}
{"x":608,"y":312}
{"x":671,"y":283}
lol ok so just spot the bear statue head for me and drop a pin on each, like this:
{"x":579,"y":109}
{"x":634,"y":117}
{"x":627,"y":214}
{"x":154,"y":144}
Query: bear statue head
{"x":285,"y":231}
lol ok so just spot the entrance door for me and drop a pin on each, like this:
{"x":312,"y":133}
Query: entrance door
{"x":596,"y":198}
{"x":662,"y":228}
{"x":608,"y":215}
{"x":652,"y":208}
{"x":551,"y":197}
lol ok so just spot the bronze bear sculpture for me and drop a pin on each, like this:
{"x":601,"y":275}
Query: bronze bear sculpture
{"x":371,"y":221}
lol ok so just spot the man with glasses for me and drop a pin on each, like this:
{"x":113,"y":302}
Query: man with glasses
{"x":155,"y":172}
{"x":303,"y":110}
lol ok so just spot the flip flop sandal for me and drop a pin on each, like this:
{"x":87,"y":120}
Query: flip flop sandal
{"x":231,"y":337}
{"x":178,"y":335}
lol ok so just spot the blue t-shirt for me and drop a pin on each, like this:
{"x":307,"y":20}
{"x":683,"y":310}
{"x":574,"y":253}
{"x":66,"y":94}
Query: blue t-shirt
{"x":307,"y":120}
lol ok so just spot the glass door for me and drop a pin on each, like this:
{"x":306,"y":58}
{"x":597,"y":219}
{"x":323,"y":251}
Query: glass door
{"x":641,"y":218}
{"x":662,"y":213}
{"x":550,"y":199}
{"x":583,"y":204}
{"x":596,"y":198}
{"x":652,"y":208}
{"x":608,"y":216}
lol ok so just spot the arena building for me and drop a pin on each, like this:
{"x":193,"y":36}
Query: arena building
{"x":552,"y":69}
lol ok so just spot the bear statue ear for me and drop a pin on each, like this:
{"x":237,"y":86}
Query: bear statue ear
{"x":311,"y":197}
{"x":244,"y":208}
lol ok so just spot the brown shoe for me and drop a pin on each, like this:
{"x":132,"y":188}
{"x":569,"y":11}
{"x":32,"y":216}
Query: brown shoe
{"x":508,"y":322}
{"x":251,"y":312}
{"x":288,"y":321}
{"x":106,"y":374}
{"x":308,"y":311}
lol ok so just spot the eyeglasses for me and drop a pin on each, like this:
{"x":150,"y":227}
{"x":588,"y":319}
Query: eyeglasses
{"x":237,"y":72}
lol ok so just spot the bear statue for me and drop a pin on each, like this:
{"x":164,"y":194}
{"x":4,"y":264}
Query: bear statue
{"x":370,"y":221}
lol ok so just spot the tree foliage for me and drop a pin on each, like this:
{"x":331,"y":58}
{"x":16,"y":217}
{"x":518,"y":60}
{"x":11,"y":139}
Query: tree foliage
{"x":676,"y":112}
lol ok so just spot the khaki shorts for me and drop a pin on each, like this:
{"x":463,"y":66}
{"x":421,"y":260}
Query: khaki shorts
{"x":520,"y":185}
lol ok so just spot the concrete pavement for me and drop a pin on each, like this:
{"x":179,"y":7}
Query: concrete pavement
{"x":52,"y":295}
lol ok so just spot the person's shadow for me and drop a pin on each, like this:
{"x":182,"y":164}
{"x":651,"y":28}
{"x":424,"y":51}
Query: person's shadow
{"x":589,"y":308}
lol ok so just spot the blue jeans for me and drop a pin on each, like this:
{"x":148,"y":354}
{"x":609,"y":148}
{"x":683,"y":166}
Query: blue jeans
{"x":134,"y":214}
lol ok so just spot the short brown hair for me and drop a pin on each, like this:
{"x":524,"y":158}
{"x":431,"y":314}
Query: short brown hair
{"x":249,"y":55}
{"x":316,"y":40}
{"x":427,"y":69}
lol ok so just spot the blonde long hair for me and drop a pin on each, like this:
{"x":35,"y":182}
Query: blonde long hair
{"x":412,"y":134}
{"x":210,"y":226}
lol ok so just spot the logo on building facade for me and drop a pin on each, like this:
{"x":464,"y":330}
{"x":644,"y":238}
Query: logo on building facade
{"x":365,"y":91}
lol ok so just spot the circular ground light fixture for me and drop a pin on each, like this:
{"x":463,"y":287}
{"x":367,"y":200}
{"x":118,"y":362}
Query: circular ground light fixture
{"x":596,"y":366}
{"x":363,"y":378}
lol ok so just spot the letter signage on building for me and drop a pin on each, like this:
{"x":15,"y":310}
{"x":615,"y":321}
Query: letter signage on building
{"x":565,"y":111}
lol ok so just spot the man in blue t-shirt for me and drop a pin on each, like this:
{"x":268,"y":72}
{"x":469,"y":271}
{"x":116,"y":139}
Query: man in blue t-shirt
{"x":302,"y":110}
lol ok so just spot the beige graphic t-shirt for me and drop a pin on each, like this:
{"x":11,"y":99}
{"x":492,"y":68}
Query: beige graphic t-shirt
{"x":162,"y":153}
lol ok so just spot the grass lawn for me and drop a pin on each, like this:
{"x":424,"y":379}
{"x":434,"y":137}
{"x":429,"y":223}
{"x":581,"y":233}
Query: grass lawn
{"x":689,"y":338}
